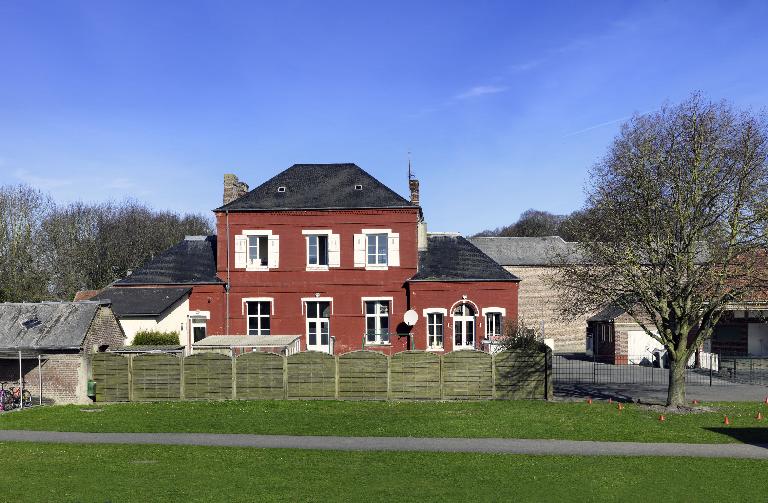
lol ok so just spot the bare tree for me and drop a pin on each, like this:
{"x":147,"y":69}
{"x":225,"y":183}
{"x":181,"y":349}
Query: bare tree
{"x":674,"y":225}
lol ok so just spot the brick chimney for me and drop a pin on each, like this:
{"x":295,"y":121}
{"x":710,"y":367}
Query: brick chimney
{"x":233,"y":188}
{"x":413,"y":184}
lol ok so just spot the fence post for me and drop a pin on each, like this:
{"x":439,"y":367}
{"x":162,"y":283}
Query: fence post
{"x":285,"y":377}
{"x":493,"y":376}
{"x":710,"y":368}
{"x":130,"y":378}
{"x":336,"y":377}
{"x":40,"y":378}
{"x":389,"y":377}
{"x":594,"y":367}
{"x":440,"y":362}
{"x":182,"y":392}
{"x":234,"y":375}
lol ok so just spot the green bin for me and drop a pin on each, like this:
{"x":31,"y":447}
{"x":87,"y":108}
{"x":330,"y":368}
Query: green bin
{"x":91,"y":388}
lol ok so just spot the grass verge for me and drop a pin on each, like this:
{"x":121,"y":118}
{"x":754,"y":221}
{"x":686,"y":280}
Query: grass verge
{"x":111,"y":473}
{"x":503,"y":419}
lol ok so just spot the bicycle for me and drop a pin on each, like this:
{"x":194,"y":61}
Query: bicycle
{"x":21,"y":398}
{"x":6,"y":398}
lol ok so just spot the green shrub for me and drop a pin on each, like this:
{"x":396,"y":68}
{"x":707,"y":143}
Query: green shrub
{"x":155,"y":338}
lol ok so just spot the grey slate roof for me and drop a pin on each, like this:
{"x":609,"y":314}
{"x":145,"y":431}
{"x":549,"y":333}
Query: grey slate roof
{"x":319,"y":186}
{"x":45,"y":325}
{"x":141,"y":301}
{"x":450,"y":257}
{"x":528,"y":251}
{"x":192,"y":261}
{"x":609,"y":313}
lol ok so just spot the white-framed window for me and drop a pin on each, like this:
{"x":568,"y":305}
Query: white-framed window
{"x":318,"y":325}
{"x":377,"y":249}
{"x":376,"y":245}
{"x":258,"y":313}
{"x":323,"y":250}
{"x":463,"y":326}
{"x":494,"y":321}
{"x":257,"y":250}
{"x":377,"y":321}
{"x":435,"y":317}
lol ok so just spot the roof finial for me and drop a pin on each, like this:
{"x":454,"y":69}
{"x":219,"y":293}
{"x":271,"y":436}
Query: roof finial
{"x":410,"y":173}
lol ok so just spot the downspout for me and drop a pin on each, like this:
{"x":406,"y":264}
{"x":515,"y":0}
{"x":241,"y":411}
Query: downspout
{"x":226,"y":287}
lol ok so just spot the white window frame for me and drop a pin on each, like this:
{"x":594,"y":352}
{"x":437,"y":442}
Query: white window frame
{"x":465,"y":319}
{"x":377,"y":237}
{"x":196,"y":319}
{"x":393,"y":249}
{"x":269,"y":314}
{"x":493,"y":310}
{"x":378,"y":340}
{"x":249,"y":264}
{"x":309,"y":233}
{"x":307,"y":320}
{"x":444,"y":313}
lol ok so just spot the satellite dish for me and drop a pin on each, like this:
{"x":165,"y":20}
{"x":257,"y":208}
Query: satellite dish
{"x":410,"y":317}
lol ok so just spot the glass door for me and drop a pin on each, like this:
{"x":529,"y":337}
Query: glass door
{"x":318,"y":326}
{"x":463,"y":327}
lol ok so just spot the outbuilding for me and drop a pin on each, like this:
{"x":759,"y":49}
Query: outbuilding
{"x":51,"y":343}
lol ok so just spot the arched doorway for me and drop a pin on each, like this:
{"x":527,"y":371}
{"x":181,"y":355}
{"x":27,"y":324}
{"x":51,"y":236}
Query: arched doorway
{"x":464,"y":326}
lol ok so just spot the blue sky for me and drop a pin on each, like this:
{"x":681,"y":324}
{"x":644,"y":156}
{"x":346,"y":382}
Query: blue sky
{"x":504,"y":105}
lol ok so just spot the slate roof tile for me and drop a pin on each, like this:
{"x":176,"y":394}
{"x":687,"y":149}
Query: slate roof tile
{"x":192,"y":261}
{"x":450,"y":257}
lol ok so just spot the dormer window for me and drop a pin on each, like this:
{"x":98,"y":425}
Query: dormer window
{"x":281,"y":189}
{"x":358,"y":187}
{"x":31,"y":323}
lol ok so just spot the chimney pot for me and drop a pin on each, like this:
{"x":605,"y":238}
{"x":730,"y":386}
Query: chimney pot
{"x":233,"y":188}
{"x":413,"y":184}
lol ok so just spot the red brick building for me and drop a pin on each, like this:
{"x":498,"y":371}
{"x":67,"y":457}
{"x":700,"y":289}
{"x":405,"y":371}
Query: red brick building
{"x":328,"y":253}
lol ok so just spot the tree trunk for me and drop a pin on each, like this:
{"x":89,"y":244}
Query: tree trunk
{"x":676,"y":390}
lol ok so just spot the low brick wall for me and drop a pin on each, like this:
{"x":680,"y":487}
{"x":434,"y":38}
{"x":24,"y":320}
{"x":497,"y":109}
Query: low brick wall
{"x":359,"y":375}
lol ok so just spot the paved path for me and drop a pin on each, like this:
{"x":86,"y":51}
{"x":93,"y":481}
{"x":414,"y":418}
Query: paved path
{"x":491,"y":445}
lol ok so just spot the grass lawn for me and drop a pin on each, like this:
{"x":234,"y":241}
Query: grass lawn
{"x":511,"y":419}
{"x":122,"y":473}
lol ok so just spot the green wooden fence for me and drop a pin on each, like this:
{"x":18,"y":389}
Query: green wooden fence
{"x":359,"y":375}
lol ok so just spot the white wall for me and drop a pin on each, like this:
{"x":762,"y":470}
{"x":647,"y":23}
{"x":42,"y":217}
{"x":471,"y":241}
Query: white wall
{"x":640,"y":345}
{"x":757,"y":339}
{"x":174,"y":320}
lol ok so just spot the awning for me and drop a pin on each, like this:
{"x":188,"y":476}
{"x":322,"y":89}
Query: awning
{"x":246,"y":341}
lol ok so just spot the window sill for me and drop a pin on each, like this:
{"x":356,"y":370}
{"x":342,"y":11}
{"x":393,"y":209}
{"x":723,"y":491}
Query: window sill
{"x":377,"y":344}
{"x":252,"y":268}
{"x":372,"y":267}
{"x":317,"y":268}
{"x":435,"y":350}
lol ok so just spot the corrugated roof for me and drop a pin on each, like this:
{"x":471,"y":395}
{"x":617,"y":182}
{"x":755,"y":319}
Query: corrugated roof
{"x":192,"y":261}
{"x":528,"y":251}
{"x":450,"y":257}
{"x":45,"y":325}
{"x":142,"y":301}
{"x":246,"y":340}
{"x":319,"y":186}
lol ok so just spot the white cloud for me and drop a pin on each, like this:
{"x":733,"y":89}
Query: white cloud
{"x":121,"y":184}
{"x":41,"y":182}
{"x":478,"y":91}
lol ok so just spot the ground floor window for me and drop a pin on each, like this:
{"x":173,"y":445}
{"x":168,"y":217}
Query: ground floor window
{"x":464,"y":326}
{"x":258,"y":314}
{"x":434,"y":330}
{"x":318,"y":325}
{"x":493,"y":324}
{"x":377,"y":322}
{"x":197,"y":329}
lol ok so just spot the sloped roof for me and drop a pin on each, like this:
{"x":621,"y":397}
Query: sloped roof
{"x":191,"y":261}
{"x":608,"y":313}
{"x":141,"y":301}
{"x":528,"y":251}
{"x":319,"y":186}
{"x":45,"y":325}
{"x":450,"y":257}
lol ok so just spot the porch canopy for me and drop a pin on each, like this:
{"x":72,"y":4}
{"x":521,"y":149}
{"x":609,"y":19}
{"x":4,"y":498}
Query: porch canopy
{"x":236,"y":344}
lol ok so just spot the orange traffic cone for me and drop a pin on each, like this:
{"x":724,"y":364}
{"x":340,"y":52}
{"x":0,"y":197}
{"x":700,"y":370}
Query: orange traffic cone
{"x":766,"y":400}
{"x":695,"y":402}
{"x":610,"y":400}
{"x":759,"y":416}
{"x":621,"y":406}
{"x":662,"y":418}
{"x":589,"y":400}
{"x":726,"y":421}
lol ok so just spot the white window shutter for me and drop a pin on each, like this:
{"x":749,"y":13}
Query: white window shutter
{"x":273,"y":255}
{"x":334,"y":250}
{"x":360,"y":250}
{"x":241,"y":251}
{"x":393,"y":249}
